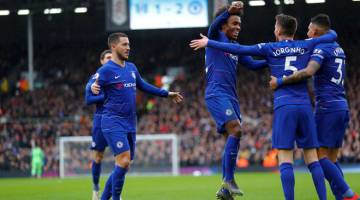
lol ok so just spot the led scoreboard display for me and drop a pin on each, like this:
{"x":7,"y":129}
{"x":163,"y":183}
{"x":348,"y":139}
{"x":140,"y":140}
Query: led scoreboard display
{"x":162,"y":14}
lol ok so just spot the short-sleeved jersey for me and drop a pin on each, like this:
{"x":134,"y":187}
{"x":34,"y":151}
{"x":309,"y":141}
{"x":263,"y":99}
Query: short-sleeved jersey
{"x":329,"y":79}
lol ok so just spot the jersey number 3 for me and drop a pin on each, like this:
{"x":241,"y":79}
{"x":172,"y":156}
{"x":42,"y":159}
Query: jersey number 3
{"x":340,"y":80}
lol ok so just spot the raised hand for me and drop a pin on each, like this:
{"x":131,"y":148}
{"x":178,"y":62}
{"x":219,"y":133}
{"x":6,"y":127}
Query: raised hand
{"x":199,"y":43}
{"x":236,"y":7}
{"x":176,"y":97}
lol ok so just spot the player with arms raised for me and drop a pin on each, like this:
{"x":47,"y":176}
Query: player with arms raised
{"x":293,"y":117}
{"x":220,"y":94}
{"x":327,"y":65}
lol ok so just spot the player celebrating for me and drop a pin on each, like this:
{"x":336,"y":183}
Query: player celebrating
{"x":327,"y":63}
{"x":98,"y":143}
{"x":220,"y":94}
{"x":119,"y":80}
{"x":293,"y":117}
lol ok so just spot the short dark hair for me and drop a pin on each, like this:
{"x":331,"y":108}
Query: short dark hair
{"x":322,"y":20}
{"x":102,"y":55}
{"x":115,"y":37}
{"x":288,"y":24}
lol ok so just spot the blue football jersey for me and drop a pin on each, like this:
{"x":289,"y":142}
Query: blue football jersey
{"x":119,"y":85}
{"x":284,"y":58}
{"x":221,"y":66}
{"x":329,"y":79}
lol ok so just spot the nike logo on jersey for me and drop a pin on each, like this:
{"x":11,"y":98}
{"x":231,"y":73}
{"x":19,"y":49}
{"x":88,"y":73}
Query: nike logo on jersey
{"x":116,"y":77}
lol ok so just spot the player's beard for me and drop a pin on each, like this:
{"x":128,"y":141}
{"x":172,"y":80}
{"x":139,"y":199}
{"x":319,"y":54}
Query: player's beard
{"x":120,"y":56}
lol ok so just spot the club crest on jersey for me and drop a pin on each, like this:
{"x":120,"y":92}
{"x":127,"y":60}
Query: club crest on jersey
{"x":133,"y":75}
{"x":228,"y":112}
{"x":119,"y":144}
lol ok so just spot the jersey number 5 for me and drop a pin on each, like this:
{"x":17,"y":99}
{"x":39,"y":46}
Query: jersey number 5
{"x":288,"y":66}
{"x":340,"y":80}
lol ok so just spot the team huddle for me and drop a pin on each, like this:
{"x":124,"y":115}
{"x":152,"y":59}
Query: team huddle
{"x":291,"y":62}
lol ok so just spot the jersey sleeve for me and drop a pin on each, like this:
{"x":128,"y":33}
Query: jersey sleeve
{"x":91,"y":98}
{"x":148,"y":88}
{"x":215,"y":26}
{"x":252,"y":50}
{"x":103,"y":76}
{"x":252,"y":64}
{"x":330,"y":36}
{"x":318,"y":55}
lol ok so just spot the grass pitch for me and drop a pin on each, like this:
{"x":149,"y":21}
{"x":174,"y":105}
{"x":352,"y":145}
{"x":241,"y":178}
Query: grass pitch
{"x":255,"y":185}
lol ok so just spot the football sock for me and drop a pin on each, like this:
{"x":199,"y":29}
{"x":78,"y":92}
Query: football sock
{"x":318,"y":179}
{"x":230,"y":156}
{"x":118,"y":178}
{"x":287,"y":180}
{"x":96,"y":170}
{"x":107,"y":190}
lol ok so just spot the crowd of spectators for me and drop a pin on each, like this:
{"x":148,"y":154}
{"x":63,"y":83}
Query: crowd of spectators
{"x":56,"y":107}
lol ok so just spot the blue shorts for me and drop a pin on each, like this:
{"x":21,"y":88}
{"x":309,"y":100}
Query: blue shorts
{"x":223,"y":110}
{"x":120,"y":142}
{"x":294,"y":123}
{"x":98,"y":140}
{"x":331,"y":128}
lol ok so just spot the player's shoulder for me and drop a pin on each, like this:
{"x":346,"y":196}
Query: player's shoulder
{"x":131,"y":65}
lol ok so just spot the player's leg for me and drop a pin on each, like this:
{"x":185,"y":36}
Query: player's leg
{"x":222,"y":111}
{"x":233,"y":128}
{"x":39,"y":169}
{"x":33,"y":168}
{"x":283,"y":139}
{"x":306,"y":139}
{"x":119,"y":145}
{"x":98,"y":146}
{"x":331,"y":129}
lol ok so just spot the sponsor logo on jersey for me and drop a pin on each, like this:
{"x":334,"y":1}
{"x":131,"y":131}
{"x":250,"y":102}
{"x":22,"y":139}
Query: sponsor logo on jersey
{"x":125,"y":85}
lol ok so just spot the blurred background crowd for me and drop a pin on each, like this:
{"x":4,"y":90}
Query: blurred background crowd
{"x":56,"y":107}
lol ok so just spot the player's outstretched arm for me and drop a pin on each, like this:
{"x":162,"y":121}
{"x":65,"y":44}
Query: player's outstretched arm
{"x":254,"y":50}
{"x":297,"y":76}
{"x":330,"y":36}
{"x":148,"y":88}
{"x":250,"y":63}
{"x":236,"y":7}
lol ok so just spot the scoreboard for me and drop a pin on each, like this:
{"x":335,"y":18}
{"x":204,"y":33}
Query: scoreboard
{"x":156,"y":14}
{"x":160,"y":14}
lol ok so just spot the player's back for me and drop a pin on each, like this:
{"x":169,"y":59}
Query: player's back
{"x":284,"y":58}
{"x":329,"y":79}
{"x":221,"y":68}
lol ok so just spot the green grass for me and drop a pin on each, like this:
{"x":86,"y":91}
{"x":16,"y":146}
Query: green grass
{"x":255,"y":185}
